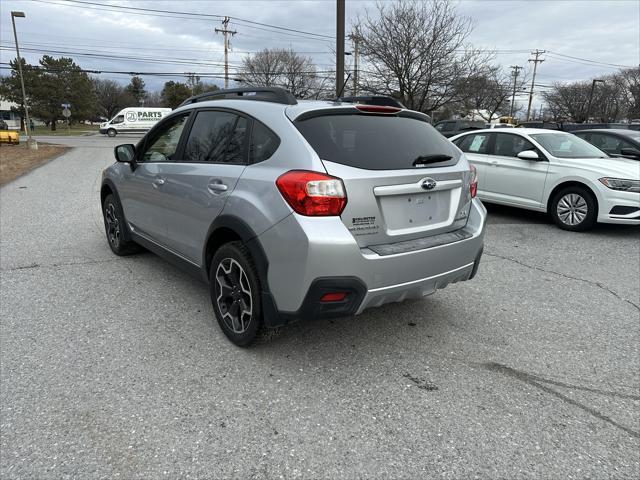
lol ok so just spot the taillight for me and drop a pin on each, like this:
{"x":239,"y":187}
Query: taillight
{"x":312,"y":193}
{"x":473,"y":186}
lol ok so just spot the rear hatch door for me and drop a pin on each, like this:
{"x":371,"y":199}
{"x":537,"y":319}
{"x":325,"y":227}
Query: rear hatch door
{"x":403,"y":180}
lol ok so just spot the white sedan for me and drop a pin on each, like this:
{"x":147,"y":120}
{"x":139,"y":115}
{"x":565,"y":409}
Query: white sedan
{"x":554,"y":172}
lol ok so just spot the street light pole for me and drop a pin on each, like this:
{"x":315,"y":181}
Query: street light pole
{"x":24,"y":95}
{"x":593,"y":87}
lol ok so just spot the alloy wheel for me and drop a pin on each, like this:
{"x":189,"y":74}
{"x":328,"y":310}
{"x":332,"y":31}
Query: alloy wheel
{"x":113,"y":225}
{"x":233,"y":295}
{"x":572,"y":209}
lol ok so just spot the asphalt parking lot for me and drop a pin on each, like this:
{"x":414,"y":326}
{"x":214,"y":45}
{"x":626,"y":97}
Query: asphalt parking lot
{"x":114,"y":367}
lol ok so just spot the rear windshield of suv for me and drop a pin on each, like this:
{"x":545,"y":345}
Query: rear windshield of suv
{"x":376,"y":142}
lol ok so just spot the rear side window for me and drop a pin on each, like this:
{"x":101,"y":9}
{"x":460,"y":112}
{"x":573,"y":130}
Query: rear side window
{"x":474,"y":143}
{"x":375,"y":142}
{"x":264,"y":143}
{"x":217,"y":137}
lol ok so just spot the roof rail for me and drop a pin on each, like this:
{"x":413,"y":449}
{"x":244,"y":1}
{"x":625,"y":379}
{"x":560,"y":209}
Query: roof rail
{"x":263,"y":94}
{"x":383,"y":100}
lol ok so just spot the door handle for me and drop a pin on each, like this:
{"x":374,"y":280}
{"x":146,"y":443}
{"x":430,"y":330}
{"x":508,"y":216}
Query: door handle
{"x":158,"y":182}
{"x":216,"y":186}
{"x":494,"y":162}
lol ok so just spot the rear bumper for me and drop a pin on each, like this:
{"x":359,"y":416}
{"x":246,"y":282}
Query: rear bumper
{"x":418,"y":288}
{"x":300,"y":250}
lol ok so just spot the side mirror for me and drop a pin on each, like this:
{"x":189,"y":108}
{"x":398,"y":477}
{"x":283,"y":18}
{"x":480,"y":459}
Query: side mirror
{"x":125,"y":153}
{"x":630,"y":152}
{"x":529,"y":155}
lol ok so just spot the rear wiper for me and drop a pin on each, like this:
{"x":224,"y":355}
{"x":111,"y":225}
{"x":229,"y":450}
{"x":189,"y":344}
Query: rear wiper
{"x":424,"y":159}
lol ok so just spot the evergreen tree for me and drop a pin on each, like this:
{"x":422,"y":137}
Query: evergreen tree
{"x":137,"y":90}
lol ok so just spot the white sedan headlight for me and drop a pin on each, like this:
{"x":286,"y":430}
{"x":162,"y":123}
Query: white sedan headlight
{"x":622,"y":184}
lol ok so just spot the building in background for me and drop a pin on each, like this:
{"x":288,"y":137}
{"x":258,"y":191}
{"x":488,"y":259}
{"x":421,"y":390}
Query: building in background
{"x":11,"y":118}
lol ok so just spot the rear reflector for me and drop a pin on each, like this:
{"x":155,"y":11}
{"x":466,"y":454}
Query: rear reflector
{"x":473,"y":186}
{"x":334,"y":297}
{"x":312,"y":194}
{"x":377,"y":109}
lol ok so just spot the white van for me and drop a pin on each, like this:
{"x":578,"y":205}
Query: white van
{"x":133,"y":120}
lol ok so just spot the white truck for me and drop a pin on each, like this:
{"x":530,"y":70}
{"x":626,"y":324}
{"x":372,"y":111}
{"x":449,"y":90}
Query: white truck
{"x":133,"y":120}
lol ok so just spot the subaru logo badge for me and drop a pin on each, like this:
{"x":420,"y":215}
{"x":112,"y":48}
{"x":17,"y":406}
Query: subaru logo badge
{"x":429,"y":184}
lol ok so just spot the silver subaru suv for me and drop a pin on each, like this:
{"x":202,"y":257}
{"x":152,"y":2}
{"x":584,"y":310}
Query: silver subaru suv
{"x":296,"y":209}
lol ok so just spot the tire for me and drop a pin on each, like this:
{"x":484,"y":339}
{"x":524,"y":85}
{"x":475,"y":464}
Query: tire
{"x":574,"y":208}
{"x":235,"y":294}
{"x":112,"y":132}
{"x":114,"y":225}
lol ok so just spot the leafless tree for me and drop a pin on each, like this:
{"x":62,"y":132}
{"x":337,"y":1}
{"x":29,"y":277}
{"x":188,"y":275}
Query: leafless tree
{"x":628,"y":80}
{"x":568,"y":102}
{"x":415,"y":50}
{"x":489,"y":93}
{"x":111,"y":97}
{"x":615,"y":97}
{"x":281,"y":68}
{"x":154,"y":99}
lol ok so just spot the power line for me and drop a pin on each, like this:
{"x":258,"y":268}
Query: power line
{"x":617,"y":65}
{"x":187,"y":16}
{"x":163,"y":60}
{"x":6,"y":66}
{"x":202,"y":15}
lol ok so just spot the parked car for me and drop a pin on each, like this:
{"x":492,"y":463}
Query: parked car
{"x":296,"y":210}
{"x":572,"y":127}
{"x":540,"y":124}
{"x":449,"y":128}
{"x":617,"y":143}
{"x":498,"y":125}
{"x":554,"y":172}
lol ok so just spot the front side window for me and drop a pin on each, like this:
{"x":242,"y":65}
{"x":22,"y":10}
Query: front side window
{"x":118,"y":119}
{"x":567,"y":145}
{"x":609,"y":143}
{"x":474,"y":143}
{"x":217,"y":137}
{"x":508,"y":145}
{"x":163,"y":144}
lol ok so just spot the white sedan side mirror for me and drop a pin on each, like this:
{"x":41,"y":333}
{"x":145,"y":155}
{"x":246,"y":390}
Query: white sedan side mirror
{"x":529,"y":155}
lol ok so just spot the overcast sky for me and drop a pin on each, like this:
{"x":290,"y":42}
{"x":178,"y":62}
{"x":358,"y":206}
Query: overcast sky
{"x":599,"y":33}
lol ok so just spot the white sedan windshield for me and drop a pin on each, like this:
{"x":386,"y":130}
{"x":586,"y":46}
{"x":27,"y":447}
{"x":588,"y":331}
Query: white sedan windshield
{"x":565,"y":145}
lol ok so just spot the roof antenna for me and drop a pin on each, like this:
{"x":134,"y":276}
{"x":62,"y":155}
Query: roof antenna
{"x":344,"y":85}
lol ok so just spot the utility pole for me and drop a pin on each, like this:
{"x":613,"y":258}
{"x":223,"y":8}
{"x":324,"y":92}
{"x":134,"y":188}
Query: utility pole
{"x":225,"y":31}
{"x":593,"y":87}
{"x":355,"y":38}
{"x":516,"y":71}
{"x":535,"y":61}
{"x":339,"y":47}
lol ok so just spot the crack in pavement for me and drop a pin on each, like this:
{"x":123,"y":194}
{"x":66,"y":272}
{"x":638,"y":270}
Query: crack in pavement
{"x":537,"y":381}
{"x":53,"y":265}
{"x":570,"y":277}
